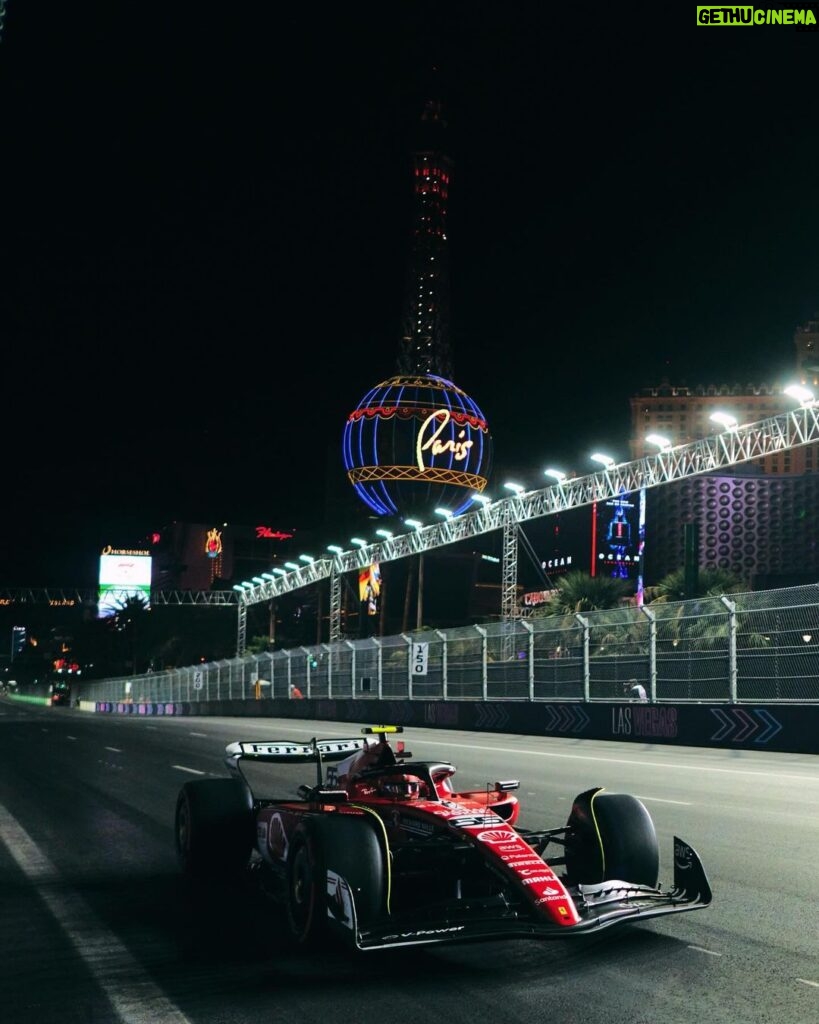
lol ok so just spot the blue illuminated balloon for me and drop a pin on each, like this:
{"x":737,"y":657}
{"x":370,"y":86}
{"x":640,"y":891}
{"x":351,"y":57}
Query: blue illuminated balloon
{"x":417,"y":443}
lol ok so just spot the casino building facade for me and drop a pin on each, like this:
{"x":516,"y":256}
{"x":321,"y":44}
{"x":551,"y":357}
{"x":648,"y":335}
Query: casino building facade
{"x":760,"y":521}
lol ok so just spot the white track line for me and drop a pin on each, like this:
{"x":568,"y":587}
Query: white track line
{"x":662,"y":800}
{"x":606,"y":759}
{"x":182,"y":768}
{"x":134,"y":996}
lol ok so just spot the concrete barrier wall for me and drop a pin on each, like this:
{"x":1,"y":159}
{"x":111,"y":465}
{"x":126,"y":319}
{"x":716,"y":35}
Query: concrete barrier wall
{"x":786,"y":728}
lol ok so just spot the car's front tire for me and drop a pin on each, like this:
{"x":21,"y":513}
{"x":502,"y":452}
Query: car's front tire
{"x":611,"y":836}
{"x":347,"y":846}
{"x":214,"y":827}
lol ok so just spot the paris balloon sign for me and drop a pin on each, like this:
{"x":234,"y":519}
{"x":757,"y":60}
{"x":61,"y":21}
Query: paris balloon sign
{"x":417,"y":443}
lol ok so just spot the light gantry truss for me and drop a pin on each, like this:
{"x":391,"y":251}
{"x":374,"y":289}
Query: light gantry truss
{"x":198,"y":598}
{"x":733,"y":447}
{"x":68,"y":597}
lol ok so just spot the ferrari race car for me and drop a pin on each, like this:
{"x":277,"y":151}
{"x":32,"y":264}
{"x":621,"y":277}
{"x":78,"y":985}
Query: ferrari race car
{"x":384,"y":851}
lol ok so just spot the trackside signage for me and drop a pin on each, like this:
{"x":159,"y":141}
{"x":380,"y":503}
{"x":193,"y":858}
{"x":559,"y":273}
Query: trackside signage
{"x":420,"y":659}
{"x":781,"y":727}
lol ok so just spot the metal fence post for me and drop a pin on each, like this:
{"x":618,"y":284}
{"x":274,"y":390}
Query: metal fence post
{"x":268,"y":657}
{"x":732,"y":648}
{"x":307,"y":670}
{"x":444,"y":662}
{"x":408,"y":640}
{"x":652,"y":652}
{"x":484,"y":659}
{"x":531,"y":631}
{"x":255,"y":673}
{"x":327,"y":649}
{"x":586,"y":658}
{"x":351,"y":645}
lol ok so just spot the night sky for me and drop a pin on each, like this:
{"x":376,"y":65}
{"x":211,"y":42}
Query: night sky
{"x":206,"y":220}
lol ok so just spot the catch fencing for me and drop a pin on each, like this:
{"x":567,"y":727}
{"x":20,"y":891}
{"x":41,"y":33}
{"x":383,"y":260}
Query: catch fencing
{"x":736,"y":648}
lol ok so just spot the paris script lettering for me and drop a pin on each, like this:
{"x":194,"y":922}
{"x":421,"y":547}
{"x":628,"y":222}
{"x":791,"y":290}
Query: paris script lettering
{"x":459,"y":448}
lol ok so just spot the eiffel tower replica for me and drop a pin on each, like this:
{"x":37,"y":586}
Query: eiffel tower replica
{"x":424,"y":347}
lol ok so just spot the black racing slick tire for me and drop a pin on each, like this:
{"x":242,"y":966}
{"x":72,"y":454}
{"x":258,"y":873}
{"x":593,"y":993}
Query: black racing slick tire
{"x":611,"y":836}
{"x":214,"y":828}
{"x":340,"y":845}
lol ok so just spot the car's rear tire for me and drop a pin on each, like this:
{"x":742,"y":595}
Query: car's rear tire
{"x":214,"y":827}
{"x":342,"y":844}
{"x":611,"y":836}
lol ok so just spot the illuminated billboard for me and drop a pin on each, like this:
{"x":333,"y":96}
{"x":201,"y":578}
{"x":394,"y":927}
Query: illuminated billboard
{"x":618,"y":536}
{"x":369,"y":587}
{"x":123,"y":575}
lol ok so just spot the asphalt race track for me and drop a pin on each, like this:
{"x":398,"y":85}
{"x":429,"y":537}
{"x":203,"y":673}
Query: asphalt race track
{"x":97,"y":925}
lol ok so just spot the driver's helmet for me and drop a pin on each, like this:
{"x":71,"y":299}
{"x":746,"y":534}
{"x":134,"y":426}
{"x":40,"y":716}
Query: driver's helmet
{"x":399,"y":787}
{"x":374,"y":754}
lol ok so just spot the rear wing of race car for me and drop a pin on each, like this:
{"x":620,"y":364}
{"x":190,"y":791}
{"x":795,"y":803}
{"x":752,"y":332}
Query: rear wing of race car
{"x":311,"y":752}
{"x":288,"y":752}
{"x":315,"y":751}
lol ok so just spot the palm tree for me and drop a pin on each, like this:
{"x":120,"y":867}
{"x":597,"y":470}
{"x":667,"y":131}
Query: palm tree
{"x":710,"y":583}
{"x":577,"y":592}
{"x":260,"y":644}
{"x":701,"y":620}
{"x":130,"y":615}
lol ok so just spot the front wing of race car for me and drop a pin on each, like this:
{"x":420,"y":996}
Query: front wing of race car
{"x":504,"y":917}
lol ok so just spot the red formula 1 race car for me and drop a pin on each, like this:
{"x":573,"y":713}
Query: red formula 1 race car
{"x":384,"y":851}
